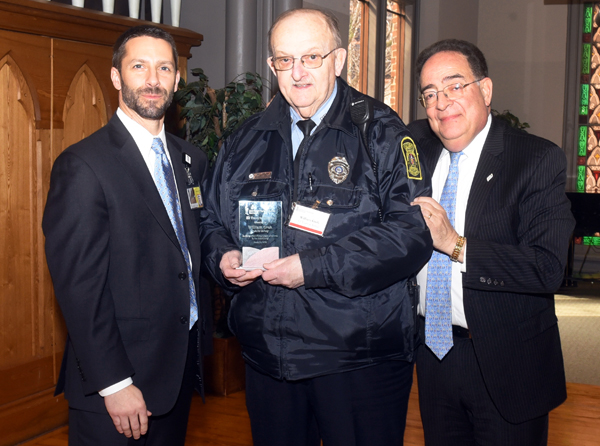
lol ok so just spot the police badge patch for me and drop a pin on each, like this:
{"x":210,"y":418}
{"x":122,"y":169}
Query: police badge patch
{"x":411,"y":159}
{"x":338,"y":169}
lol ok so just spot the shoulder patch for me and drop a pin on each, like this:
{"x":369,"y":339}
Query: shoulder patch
{"x":411,"y":159}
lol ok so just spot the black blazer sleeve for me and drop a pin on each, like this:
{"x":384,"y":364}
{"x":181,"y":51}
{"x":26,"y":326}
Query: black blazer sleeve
{"x":77,"y":250}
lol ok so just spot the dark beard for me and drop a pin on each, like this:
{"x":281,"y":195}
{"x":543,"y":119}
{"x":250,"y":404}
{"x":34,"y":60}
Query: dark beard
{"x":150,"y":109}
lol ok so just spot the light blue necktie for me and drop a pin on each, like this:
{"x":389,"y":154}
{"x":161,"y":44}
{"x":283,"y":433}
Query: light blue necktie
{"x":165,"y":183}
{"x":438,"y":304}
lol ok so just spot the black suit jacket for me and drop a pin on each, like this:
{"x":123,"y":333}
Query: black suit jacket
{"x":518,"y":224}
{"x":119,"y":275}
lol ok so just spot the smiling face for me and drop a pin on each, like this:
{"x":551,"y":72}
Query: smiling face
{"x":147,"y":80}
{"x":298,"y":35}
{"x":456,"y":122}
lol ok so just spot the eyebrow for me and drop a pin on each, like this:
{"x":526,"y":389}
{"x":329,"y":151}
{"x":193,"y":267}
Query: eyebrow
{"x":444,"y":80}
{"x":160,"y":62}
{"x":312,"y":51}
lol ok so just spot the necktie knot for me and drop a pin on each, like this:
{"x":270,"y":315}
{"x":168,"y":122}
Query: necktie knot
{"x":306,"y":126}
{"x":454,"y":156}
{"x":157,"y":146}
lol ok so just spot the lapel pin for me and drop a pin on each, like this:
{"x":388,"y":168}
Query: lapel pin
{"x":490,"y":176}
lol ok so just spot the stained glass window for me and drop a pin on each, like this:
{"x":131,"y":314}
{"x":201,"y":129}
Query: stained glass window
{"x":588,"y":161}
{"x":588,"y":147}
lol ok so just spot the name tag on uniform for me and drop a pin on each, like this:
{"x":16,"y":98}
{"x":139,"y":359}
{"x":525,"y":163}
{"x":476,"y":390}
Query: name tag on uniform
{"x":309,"y":219}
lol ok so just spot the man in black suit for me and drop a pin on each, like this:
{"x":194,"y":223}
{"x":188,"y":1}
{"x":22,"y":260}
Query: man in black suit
{"x":123,"y":250}
{"x":491,"y":367}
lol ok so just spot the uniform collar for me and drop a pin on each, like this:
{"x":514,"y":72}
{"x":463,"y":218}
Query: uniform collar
{"x":277,"y":115}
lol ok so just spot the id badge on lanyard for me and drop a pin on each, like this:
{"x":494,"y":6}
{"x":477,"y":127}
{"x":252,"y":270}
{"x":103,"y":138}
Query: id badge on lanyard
{"x":194,"y":193}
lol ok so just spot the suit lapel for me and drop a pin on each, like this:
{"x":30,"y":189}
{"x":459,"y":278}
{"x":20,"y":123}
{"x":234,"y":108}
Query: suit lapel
{"x":431,"y":148}
{"x":132,"y":159}
{"x":487,"y":173}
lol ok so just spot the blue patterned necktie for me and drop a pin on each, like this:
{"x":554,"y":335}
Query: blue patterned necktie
{"x":438,"y":304}
{"x":165,"y":183}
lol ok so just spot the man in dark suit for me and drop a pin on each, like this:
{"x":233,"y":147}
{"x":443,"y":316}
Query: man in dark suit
{"x":491,"y":367}
{"x":123,"y":250}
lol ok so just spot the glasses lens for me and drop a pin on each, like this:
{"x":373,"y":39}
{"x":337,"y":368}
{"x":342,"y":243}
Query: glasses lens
{"x":454,"y":91}
{"x":428,"y":98}
{"x":312,"y":61}
{"x":283,"y":63}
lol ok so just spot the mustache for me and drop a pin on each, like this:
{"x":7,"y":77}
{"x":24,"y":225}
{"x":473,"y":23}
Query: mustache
{"x":153,"y":90}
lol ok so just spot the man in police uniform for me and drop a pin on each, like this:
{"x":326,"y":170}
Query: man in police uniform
{"x":328,"y":329}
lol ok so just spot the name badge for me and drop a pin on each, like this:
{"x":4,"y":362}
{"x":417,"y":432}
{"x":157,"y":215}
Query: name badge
{"x":309,"y":219}
{"x":195,"y":197}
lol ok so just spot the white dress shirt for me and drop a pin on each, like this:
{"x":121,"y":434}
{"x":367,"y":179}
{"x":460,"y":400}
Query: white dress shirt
{"x":297,"y":135}
{"x":467,"y":164}
{"x":143,"y":139}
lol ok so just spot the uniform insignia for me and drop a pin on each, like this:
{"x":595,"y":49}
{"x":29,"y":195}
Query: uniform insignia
{"x":338,"y":169}
{"x":411,"y":159}
{"x":260,"y":175}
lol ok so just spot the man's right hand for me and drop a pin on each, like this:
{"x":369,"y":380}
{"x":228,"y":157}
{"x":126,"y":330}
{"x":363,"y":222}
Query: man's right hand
{"x":232,"y":260}
{"x":127,"y":409}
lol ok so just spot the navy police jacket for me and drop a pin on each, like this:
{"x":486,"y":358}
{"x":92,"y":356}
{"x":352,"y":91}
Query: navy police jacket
{"x":354,"y":309}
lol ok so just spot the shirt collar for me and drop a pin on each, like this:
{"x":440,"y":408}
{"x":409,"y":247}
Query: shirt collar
{"x":321,"y":112}
{"x":476,"y":146}
{"x":142,"y":137}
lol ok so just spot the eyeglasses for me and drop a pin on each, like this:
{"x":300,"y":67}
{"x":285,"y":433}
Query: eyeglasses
{"x":311,"y":61}
{"x":452,"y":92}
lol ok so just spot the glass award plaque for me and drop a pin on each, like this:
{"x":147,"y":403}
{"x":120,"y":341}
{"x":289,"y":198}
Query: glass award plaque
{"x":260,"y":232}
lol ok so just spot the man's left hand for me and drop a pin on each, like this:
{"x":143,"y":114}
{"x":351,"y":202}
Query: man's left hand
{"x":443,"y":234}
{"x":287,"y":272}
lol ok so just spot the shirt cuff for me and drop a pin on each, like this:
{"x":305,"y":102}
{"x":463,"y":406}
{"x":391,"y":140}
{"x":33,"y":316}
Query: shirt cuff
{"x":116,"y":387}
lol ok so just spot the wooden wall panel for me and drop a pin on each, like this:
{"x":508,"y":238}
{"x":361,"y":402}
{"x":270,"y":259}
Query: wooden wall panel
{"x":18,"y":214}
{"x":55,"y":89}
{"x":31,"y":416}
{"x":84,"y":109}
{"x":32,"y":55}
{"x":82,"y":77}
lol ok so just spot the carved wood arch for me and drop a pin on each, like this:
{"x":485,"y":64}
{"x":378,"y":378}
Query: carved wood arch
{"x":85,"y":107}
{"x":18,"y":217}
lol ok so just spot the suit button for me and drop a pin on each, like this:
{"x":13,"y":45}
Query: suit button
{"x":502,"y":283}
{"x":182,"y":276}
{"x":183,"y":320}
{"x":482,"y":279}
{"x":495,"y":282}
{"x":489,"y":281}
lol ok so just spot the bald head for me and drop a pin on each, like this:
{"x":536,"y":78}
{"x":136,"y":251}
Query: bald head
{"x":298,"y":39}
{"x":329,"y":20}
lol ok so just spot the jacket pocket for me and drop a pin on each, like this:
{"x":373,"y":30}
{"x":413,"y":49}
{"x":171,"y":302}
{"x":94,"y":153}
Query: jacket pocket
{"x":333,"y":197}
{"x":257,"y":190}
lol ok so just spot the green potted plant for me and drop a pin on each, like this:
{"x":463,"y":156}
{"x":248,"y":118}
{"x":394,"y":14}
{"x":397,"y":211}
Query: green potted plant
{"x":507,"y":116}
{"x":211,"y":115}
